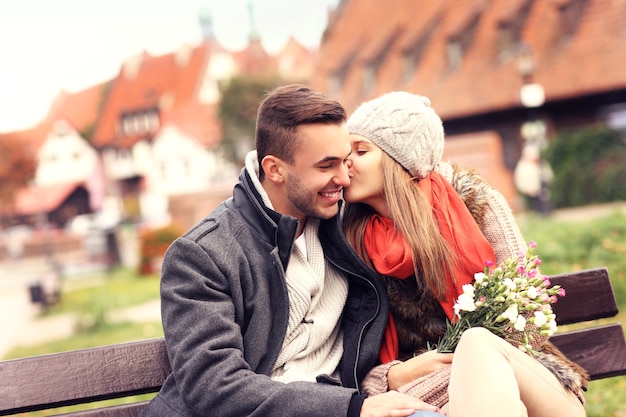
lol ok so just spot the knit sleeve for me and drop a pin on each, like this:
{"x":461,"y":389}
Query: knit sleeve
{"x":501,"y":228}
{"x":376,"y":382}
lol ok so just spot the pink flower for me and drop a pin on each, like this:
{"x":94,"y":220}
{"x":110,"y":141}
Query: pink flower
{"x":561,"y":292}
{"x":489,"y":264}
{"x":532,"y":244}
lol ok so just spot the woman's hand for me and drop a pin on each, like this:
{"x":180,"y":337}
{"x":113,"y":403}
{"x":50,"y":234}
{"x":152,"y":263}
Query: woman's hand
{"x":416,"y":367}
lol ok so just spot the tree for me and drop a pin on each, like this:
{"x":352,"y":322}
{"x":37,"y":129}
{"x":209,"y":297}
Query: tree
{"x":17,"y":168}
{"x":237,"y":112}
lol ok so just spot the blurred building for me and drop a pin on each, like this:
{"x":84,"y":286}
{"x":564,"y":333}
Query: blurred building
{"x":150,"y":136}
{"x":488,"y":68}
{"x":159,"y":132}
{"x":66,"y":161}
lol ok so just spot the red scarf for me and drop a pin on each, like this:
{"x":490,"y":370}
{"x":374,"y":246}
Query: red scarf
{"x":391,"y":254}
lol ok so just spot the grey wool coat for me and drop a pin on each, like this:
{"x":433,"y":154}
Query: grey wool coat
{"x":225,"y":312}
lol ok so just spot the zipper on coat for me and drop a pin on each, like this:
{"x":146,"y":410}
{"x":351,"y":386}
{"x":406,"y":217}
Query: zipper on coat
{"x":367,"y":323}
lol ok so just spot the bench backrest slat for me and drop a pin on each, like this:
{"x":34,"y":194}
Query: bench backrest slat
{"x":599,"y":350}
{"x":588,"y":296}
{"x":82,"y":376}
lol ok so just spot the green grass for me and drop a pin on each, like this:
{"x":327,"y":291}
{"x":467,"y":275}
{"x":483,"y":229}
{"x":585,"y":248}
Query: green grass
{"x":106,"y":334}
{"x":117,"y":289}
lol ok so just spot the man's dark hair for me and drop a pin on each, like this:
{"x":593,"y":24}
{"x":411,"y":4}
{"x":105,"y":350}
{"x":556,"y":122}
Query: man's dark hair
{"x":282,"y":111}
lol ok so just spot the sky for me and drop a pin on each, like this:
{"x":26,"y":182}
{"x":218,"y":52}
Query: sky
{"x":51,"y":45}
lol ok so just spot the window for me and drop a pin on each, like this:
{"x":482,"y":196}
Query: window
{"x":460,"y":40}
{"x":409,"y":67}
{"x":140,"y":122}
{"x":510,"y":25}
{"x":454,"y":52}
{"x":369,"y":78}
{"x":570,"y":15}
{"x":334,"y":84}
{"x":414,"y":50}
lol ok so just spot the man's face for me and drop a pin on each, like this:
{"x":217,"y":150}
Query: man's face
{"x":319,"y":172}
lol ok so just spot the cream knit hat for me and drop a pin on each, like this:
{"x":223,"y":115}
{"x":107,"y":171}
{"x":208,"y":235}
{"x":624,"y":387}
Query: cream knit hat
{"x":405,"y":127}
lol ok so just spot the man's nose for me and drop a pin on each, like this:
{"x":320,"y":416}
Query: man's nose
{"x":342,"y":177}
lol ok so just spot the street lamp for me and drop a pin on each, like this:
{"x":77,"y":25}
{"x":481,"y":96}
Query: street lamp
{"x":531,"y":94}
{"x":532,"y":173}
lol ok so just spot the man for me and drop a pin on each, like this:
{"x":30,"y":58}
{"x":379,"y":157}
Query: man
{"x":253,"y":296}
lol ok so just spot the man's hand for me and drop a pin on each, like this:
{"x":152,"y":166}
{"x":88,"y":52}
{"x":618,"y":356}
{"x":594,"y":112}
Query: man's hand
{"x":393,"y":404}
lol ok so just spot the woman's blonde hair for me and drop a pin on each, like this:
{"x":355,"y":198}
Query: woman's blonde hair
{"x":412,"y":214}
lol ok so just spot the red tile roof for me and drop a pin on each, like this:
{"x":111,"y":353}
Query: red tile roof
{"x":80,"y":109}
{"x":32,"y":138}
{"x":254,"y":59}
{"x":383,"y":31}
{"x":168,"y":83}
{"x":296,"y":63}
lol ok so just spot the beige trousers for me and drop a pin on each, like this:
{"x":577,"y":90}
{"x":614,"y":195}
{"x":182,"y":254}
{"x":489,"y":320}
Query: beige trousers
{"x":491,"y":378}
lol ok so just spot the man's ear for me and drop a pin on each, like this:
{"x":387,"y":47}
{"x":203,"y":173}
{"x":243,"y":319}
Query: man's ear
{"x":273,"y":168}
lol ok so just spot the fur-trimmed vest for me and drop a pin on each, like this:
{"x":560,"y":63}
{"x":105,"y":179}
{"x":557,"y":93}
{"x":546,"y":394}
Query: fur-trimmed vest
{"x":419,"y":318}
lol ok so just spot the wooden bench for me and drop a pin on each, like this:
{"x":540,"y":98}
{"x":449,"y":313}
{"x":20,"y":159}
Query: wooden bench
{"x":116,"y":371}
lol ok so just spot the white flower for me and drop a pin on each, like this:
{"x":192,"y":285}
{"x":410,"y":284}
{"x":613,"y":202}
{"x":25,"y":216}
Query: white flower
{"x":479,"y":277}
{"x":465,"y":302}
{"x":511,"y":313}
{"x":508,"y":282}
{"x":532,"y":293}
{"x":540,"y":318}
{"x":552,"y":325}
{"x":469,"y":290}
{"x":520,"y":323}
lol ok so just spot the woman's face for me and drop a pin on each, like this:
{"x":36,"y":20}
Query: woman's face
{"x":366,"y":175}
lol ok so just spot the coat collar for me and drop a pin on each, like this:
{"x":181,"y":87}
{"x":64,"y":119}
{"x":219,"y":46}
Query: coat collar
{"x":277,"y":229}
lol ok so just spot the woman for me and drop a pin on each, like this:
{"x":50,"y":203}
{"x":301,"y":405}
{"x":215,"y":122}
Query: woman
{"x":426,"y":227}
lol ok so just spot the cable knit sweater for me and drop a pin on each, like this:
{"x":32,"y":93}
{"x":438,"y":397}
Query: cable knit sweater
{"x":317,"y":293}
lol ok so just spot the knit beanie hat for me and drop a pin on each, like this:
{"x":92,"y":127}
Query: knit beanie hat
{"x":405,"y":127}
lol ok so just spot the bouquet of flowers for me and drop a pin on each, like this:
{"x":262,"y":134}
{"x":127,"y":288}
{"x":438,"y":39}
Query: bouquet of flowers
{"x":513,"y":300}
